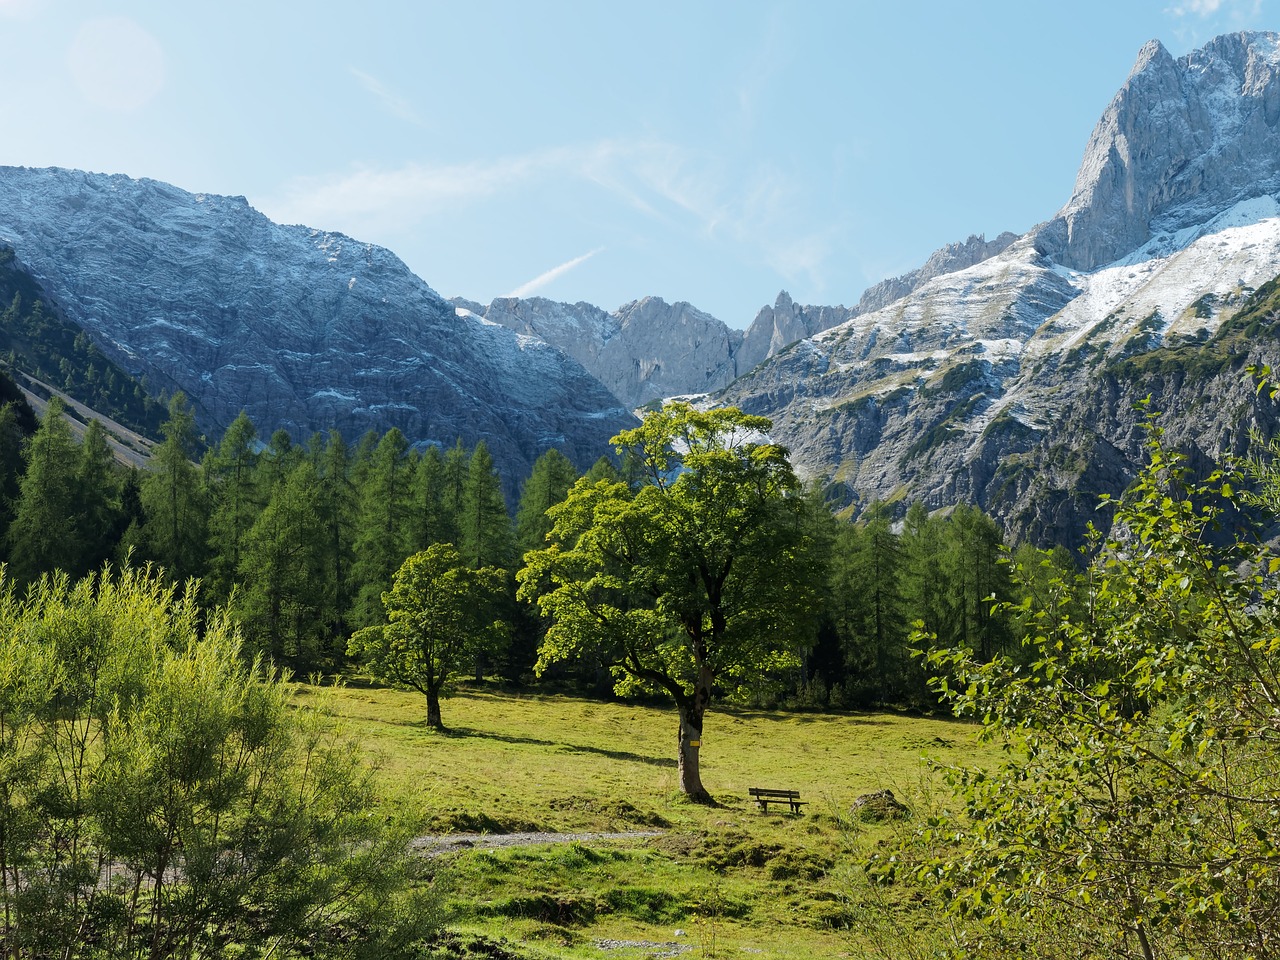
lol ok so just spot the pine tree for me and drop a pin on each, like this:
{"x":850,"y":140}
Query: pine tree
{"x":43,"y":535}
{"x":229,"y":474}
{"x":486,"y":539}
{"x":548,"y":484}
{"x":383,"y":534}
{"x":173,"y":498}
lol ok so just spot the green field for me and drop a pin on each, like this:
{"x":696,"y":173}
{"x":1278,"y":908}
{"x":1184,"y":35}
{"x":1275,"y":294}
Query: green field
{"x":719,"y":881}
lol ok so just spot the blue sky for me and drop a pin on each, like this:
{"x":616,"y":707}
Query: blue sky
{"x":710,"y":152}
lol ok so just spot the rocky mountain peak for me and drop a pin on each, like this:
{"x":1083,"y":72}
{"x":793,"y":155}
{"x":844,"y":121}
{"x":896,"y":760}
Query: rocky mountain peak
{"x":944,"y":260}
{"x":1182,"y":141}
{"x":304,"y":329}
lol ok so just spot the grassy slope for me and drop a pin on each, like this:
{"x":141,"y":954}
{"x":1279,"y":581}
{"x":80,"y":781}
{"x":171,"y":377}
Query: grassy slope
{"x":729,"y":877}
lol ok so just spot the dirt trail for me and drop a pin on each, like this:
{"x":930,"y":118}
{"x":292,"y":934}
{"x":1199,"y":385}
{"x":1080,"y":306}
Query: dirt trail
{"x":439,"y":844}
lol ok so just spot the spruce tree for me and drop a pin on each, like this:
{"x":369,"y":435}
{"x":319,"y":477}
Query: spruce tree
{"x":229,"y":474}
{"x":548,"y":484}
{"x":383,"y":534}
{"x":43,"y":536}
{"x":174,"y":531}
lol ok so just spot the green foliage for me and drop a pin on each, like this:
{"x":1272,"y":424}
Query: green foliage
{"x":1134,"y":814}
{"x":384,"y":529}
{"x":234,"y":500}
{"x":944,"y":571}
{"x":36,"y":339}
{"x":174,"y":533}
{"x":44,"y":536}
{"x":484,"y":526}
{"x":161,"y":797}
{"x":944,"y":429}
{"x":548,"y":484}
{"x":1255,"y":321}
{"x":955,"y":377}
{"x":702,"y":580}
{"x":284,"y":602}
{"x":439,"y":612}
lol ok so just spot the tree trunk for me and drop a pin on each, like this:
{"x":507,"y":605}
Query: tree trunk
{"x":690,"y":744}
{"x":433,"y":709}
{"x":692,"y":711}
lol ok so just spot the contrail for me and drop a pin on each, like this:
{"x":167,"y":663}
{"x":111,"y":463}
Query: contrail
{"x":540,"y":281}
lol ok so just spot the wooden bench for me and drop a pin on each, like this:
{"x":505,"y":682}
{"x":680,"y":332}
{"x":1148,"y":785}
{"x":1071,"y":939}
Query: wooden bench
{"x":764,"y":796}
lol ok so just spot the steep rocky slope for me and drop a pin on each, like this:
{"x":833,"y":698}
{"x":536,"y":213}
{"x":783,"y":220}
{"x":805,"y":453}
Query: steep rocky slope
{"x":648,"y":350}
{"x":1011,"y":383}
{"x":304,"y":329}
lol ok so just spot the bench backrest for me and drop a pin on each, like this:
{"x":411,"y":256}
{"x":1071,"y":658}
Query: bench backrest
{"x":766,"y":792}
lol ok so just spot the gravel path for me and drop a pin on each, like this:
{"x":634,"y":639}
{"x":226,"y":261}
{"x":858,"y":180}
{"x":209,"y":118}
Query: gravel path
{"x":438,"y":845}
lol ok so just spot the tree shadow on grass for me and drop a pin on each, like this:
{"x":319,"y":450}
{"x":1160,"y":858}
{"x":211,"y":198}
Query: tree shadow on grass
{"x":861,"y":720}
{"x":625,"y":755}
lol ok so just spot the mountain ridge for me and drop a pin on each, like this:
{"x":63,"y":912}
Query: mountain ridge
{"x":304,"y":329}
{"x":936,"y":393}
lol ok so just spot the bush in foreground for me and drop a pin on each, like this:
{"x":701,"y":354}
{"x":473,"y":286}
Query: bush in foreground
{"x":161,"y":797}
{"x":1135,"y":814}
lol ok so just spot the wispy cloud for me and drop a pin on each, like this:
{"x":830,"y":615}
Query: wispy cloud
{"x":1199,"y":8}
{"x":1238,"y":11}
{"x":392,"y":102}
{"x":700,"y":195}
{"x":540,"y":281}
{"x":1193,"y":22}
{"x":375,"y":199}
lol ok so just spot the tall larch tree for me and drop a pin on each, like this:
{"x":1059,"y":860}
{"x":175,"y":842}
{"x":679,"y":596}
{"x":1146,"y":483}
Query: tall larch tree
{"x":234,"y":500}
{"x":99,"y":511}
{"x":282,"y":600}
{"x":336,"y":510}
{"x":549,"y":482}
{"x":43,"y":535}
{"x":486,"y":535}
{"x":434,"y":520}
{"x":384,"y":530}
{"x":173,"y":498}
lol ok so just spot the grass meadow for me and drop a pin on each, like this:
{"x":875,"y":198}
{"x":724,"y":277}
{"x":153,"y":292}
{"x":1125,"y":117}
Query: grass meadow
{"x":721,"y":881}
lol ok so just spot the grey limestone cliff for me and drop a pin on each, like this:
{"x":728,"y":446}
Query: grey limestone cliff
{"x":1183,"y":140}
{"x":1012,"y":382}
{"x":303,"y":329}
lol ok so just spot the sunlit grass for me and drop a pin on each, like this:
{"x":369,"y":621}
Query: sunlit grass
{"x":727,"y":877}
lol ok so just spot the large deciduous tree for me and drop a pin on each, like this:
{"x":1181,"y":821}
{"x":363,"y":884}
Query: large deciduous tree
{"x":696,"y":583}
{"x":439,"y":617}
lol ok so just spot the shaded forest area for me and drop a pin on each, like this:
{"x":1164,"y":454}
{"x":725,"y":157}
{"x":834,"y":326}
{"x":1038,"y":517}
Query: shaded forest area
{"x":300,"y":541}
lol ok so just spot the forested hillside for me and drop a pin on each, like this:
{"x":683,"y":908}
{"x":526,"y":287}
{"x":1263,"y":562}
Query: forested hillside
{"x":35,"y":339}
{"x":302,"y":540}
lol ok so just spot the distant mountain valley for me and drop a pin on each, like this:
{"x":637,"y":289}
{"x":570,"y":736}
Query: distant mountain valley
{"x":1003,"y":373}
